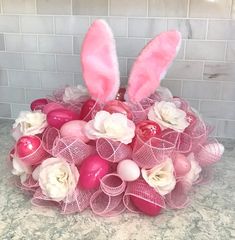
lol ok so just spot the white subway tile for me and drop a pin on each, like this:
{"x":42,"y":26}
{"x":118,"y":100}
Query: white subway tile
{"x":9,"y":24}
{"x":3,"y":78}
{"x":20,"y":43}
{"x":77,"y":44}
{"x":71,"y":25}
{"x":117,"y":24}
{"x":127,"y":47}
{"x":52,"y":80}
{"x":78,"y":79}
{"x":221,"y":30}
{"x":5,"y":110}
{"x":173,"y":85}
{"x":32,"y":94}
{"x":228,"y":91}
{"x":185,"y":70}
{"x":230,"y":54}
{"x":89,"y":7}
{"x":217,"y":71}
{"x":18,"y":6}
{"x":11,"y":60}
{"x":37,"y":24}
{"x":17,"y":108}
{"x":146,"y":27}
{"x":122,"y":66}
{"x":2,"y":42}
{"x":189,"y":28}
{"x":54,"y":7}
{"x":210,"y":9}
{"x":12,"y":95}
{"x":24,"y":79}
{"x":67,"y":63}
{"x":55,"y":44}
{"x":218,"y":109}
{"x":226,"y":128}
{"x":193,"y":103}
{"x":205,"y":50}
{"x":201,"y":89}
{"x":128,"y":8}
{"x":41,"y":62}
{"x":168,"y":8}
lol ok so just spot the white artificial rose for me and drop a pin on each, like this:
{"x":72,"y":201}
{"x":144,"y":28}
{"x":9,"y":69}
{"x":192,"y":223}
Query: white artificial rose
{"x":29,"y":123}
{"x":115,"y":126}
{"x":20,"y":169}
{"x":194,"y":173}
{"x":161,"y":177}
{"x":73,"y":94}
{"x":57,"y":178}
{"x":167,"y":115}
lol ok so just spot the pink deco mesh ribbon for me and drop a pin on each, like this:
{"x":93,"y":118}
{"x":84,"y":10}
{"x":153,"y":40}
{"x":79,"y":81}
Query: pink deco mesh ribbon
{"x":112,"y":151}
{"x":139,"y":113}
{"x":107,"y":201}
{"x":178,"y":198}
{"x":151,"y":153}
{"x":71,"y":149}
{"x":142,"y":190}
{"x":29,"y":185}
{"x":208,"y":153}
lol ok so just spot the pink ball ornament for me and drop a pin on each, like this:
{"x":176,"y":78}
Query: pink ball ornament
{"x":128,"y":170}
{"x":116,"y":106}
{"x":74,"y":129}
{"x":58,"y":117}
{"x":38,"y":104}
{"x":52,"y":106}
{"x":181,"y":164}
{"x":92,"y":170}
{"x":121,"y":94}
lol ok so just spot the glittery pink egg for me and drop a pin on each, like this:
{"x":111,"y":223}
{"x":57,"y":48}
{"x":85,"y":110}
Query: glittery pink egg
{"x":58,"y":117}
{"x":181,"y":164}
{"x":87,"y":109}
{"x":116,"y":106}
{"x":92,"y":170}
{"x":38,"y":104}
{"x":52,"y":106}
{"x":74,"y":129}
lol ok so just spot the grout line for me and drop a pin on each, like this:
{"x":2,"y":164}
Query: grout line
{"x":207,"y":29}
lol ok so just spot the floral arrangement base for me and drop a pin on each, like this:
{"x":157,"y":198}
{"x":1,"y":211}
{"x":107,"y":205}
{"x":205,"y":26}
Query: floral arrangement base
{"x":114,"y":149}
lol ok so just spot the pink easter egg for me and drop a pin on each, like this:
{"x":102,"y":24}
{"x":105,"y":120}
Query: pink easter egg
{"x":58,"y":117}
{"x":38,"y":104}
{"x":128,"y":170}
{"x":87,"y":108}
{"x":74,"y":129}
{"x":52,"y":106}
{"x":146,"y":207}
{"x":116,"y":106}
{"x":92,"y":170}
{"x":181,"y":164}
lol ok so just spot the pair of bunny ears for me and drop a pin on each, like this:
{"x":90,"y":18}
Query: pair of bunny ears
{"x":100,"y":65}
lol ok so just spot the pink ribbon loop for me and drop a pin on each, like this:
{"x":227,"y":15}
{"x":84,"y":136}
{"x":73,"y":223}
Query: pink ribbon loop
{"x":112,"y":151}
{"x":151,"y":153}
{"x":112,"y":184}
{"x":142,"y":190}
{"x":139,"y":113}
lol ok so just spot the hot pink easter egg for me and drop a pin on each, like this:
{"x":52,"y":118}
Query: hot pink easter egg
{"x":27,"y":145}
{"x":52,"y":106}
{"x":74,"y":129}
{"x":58,"y":117}
{"x":116,"y":106}
{"x":87,"y":108}
{"x":92,"y":170}
{"x":145,"y":207}
{"x":181,"y":164}
{"x":38,"y":104}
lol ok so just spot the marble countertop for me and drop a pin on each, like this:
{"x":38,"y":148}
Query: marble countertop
{"x":210,"y":216}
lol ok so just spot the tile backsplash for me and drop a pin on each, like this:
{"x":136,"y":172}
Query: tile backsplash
{"x":40,"y":43}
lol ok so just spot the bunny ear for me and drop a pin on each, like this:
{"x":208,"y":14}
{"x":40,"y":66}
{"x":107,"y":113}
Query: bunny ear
{"x":152,"y":64}
{"x":99,"y":62}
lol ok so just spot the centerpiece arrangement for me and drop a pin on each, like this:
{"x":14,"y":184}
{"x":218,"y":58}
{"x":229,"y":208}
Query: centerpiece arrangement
{"x":114,"y":149}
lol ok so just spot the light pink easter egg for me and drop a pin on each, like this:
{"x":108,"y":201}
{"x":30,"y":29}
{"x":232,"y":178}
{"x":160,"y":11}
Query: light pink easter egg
{"x":181,"y":164}
{"x":128,"y":170}
{"x":52,"y":106}
{"x":74,"y":129}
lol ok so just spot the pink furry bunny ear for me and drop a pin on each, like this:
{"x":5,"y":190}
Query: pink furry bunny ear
{"x":152,"y":64}
{"x":99,"y":62}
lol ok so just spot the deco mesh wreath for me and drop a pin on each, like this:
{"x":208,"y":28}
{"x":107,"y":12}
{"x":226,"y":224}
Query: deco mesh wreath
{"x":114,"y":149}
